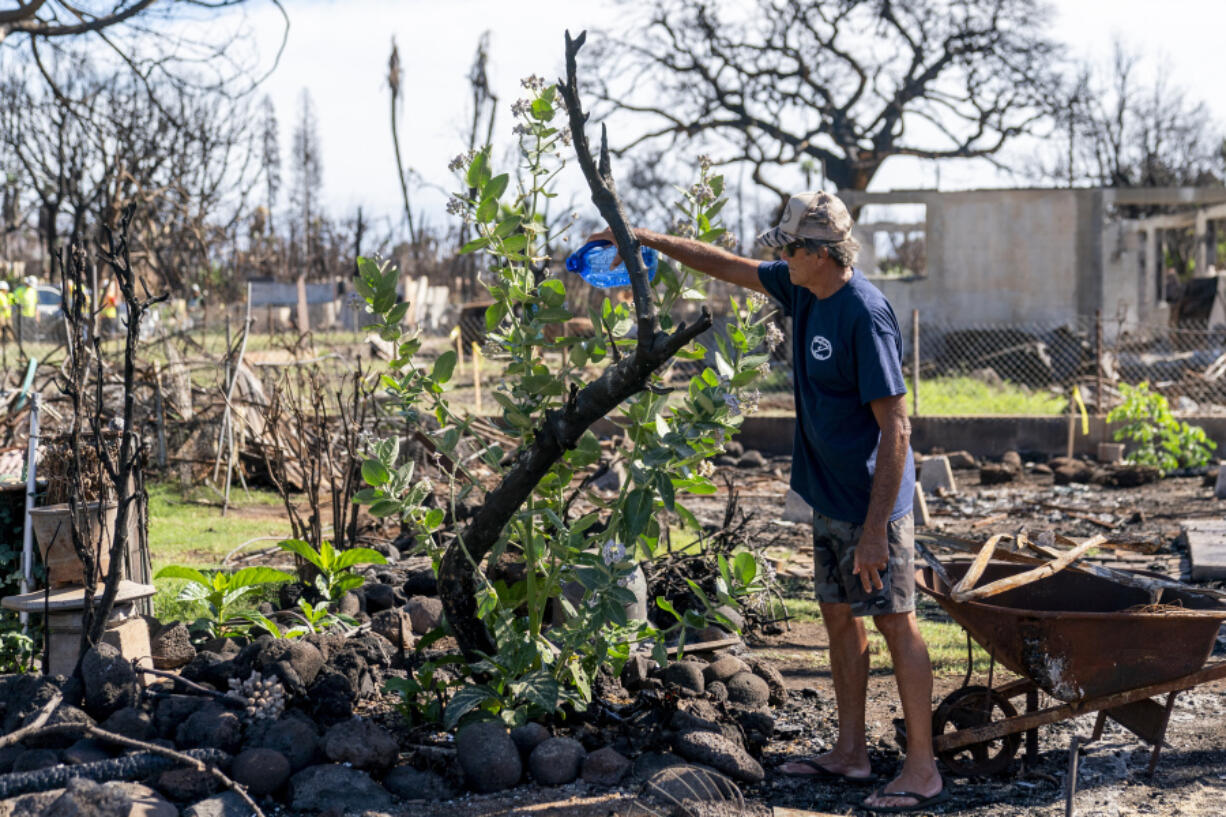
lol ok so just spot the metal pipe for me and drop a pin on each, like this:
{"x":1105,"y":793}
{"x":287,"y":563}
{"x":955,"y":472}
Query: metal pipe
{"x":27,"y":533}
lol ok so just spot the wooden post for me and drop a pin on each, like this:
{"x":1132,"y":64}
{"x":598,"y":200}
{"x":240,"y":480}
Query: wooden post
{"x":476,"y":377}
{"x":304,"y":315}
{"x":915,"y":362}
{"x":1099,"y":402}
{"x":459,"y":350}
{"x":159,"y":413}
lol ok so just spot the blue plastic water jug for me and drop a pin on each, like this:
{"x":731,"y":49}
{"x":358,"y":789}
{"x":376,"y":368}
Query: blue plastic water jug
{"x":591,"y":262}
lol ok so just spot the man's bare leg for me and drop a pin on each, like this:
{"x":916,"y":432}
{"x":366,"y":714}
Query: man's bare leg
{"x":849,"y":669}
{"x":913,"y":672}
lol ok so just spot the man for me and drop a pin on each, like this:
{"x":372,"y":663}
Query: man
{"x":852,"y":462}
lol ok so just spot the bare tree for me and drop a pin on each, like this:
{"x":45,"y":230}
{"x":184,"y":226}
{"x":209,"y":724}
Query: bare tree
{"x":846,"y":84}
{"x":187,"y":42}
{"x":270,"y":156}
{"x":307,"y":173}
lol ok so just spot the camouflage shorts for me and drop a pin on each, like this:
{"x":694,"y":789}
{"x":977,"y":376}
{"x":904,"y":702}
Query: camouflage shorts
{"x":834,"y":555}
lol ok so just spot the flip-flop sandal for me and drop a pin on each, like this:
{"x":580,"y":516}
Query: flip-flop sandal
{"x":921,"y":803}
{"x":819,"y":772}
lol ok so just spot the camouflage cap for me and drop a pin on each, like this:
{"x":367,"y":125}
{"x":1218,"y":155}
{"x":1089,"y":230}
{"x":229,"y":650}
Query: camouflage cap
{"x":819,"y":216}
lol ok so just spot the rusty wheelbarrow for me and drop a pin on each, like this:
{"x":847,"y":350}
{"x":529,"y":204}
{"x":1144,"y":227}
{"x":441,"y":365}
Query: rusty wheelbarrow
{"x":1093,"y":644}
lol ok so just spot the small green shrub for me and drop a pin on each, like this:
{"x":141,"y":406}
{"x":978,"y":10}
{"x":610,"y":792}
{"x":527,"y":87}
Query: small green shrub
{"x":16,"y":653}
{"x":1158,"y":438}
{"x":219,"y":592}
{"x":334,"y":579}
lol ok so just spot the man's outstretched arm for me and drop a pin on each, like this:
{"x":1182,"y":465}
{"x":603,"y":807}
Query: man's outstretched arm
{"x":707,"y":259}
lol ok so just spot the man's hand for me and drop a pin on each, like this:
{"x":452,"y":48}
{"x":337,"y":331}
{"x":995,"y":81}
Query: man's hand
{"x":872,"y":556}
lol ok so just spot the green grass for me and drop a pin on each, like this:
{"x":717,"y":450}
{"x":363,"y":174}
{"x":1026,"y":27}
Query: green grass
{"x":184,"y":530}
{"x":966,"y":395}
{"x":946,"y":640}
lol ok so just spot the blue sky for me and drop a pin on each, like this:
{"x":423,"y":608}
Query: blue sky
{"x":339,"y":49}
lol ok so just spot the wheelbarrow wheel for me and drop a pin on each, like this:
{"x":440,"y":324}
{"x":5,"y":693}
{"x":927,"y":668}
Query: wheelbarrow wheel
{"x":967,"y":708}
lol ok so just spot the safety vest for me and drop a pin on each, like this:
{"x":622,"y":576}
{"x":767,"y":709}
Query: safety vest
{"x":6,"y":305}
{"x":110,"y":300}
{"x":28,"y":296}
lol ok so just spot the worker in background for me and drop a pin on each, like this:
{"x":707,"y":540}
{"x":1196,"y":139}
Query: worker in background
{"x":110,"y":307}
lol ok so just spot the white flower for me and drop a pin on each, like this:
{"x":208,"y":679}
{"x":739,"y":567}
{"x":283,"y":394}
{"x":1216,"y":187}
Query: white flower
{"x":461,"y":160}
{"x":750,"y":404}
{"x":565,"y":135}
{"x":521,"y":107}
{"x":706,"y":469}
{"x":728,"y":240}
{"x":733,"y":403}
{"x":719,"y":437}
{"x":456,"y":206}
{"x":764,"y":368}
{"x":533,"y":83}
{"x":774,"y":337}
{"x":702,"y":192}
{"x":704,"y":161}
{"x":756,"y":300}
{"x":683,"y":228}
{"x":626,"y":581}
{"x":521,"y":129}
{"x":613,"y":552}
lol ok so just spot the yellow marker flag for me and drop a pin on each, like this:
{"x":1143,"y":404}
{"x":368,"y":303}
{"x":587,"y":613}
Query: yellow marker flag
{"x":1085,"y":417}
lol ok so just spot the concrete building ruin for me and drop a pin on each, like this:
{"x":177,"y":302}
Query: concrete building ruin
{"x":1042,"y":256}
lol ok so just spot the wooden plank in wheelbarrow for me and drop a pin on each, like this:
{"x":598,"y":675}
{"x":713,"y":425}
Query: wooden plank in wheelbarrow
{"x":1206,"y":539}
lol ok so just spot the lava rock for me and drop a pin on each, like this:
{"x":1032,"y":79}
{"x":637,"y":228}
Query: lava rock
{"x":636,"y":671}
{"x":528,"y":737}
{"x":379,"y":597}
{"x":421,"y":583}
{"x":85,"y":750}
{"x":130,"y":722}
{"x":685,"y":675}
{"x":488,"y":757}
{"x":34,"y":759}
{"x":751,"y":459}
{"x":749,"y":690}
{"x":426,"y":613}
{"x":207,"y":668}
{"x":320,"y":788}
{"x":225,"y":647}
{"x":332,"y":696}
{"x":328,"y":644}
{"x":172,"y":646}
{"x":769,"y":673}
{"x":211,"y":727}
{"x":172,"y":711}
{"x":717,"y":691}
{"x":723,"y":668}
{"x":408,"y":783}
{"x":394,"y":625}
{"x":85,"y":798}
{"x":294,"y":662}
{"x":63,"y":714}
{"x":361,"y":743}
{"x":648,"y":764}
{"x":349,"y":605}
{"x":293,"y":737}
{"x":605,"y":767}
{"x":556,"y":761}
{"x":758,"y":725}
{"x":7,"y":755}
{"x":226,"y":804}
{"x":110,"y":682}
{"x":1013,"y":461}
{"x":262,"y":771}
{"x":725,"y":461}
{"x":721,"y":754}
{"x":994,"y":473}
{"x":21,"y":695}
{"x":733,"y":448}
{"x":186,"y":785}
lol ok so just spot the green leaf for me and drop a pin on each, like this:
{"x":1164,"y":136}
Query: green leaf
{"x":554,"y":314}
{"x":357,"y":556}
{"x":375,"y":473}
{"x":507,"y":226}
{"x":183,"y":572}
{"x":496,"y":187}
{"x":397,"y":314}
{"x":515,"y":243}
{"x":250,"y":576}
{"x":443,"y":367}
{"x":486,"y":210}
{"x":477,"y":168}
{"x":665,"y":486}
{"x":667,"y":607}
{"x":465,"y":700}
{"x":474,"y":245}
{"x":745,"y":566}
{"x":552,"y":292}
{"x":636,"y":512}
{"x":384,"y":507}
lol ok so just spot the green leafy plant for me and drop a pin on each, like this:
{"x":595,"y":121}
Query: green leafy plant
{"x":274,"y":629}
{"x":218,"y":592}
{"x":424,"y":692}
{"x":17,"y":652}
{"x":671,"y":432}
{"x":1157,"y":437}
{"x":334,"y":578}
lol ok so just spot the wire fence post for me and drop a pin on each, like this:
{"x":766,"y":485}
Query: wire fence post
{"x":915,"y":362}
{"x":1099,"y":402}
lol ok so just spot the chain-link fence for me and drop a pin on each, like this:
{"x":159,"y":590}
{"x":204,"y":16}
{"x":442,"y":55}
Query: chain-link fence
{"x":1032,"y":368}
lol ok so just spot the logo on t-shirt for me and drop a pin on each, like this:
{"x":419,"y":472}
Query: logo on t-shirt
{"x":820,"y":348}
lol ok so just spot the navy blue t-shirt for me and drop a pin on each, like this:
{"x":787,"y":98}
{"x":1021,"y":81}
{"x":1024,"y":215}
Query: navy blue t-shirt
{"x":846,"y":352}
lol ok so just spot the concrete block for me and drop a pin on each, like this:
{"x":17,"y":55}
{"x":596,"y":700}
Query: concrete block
{"x":919,"y":511}
{"x":1110,"y":453}
{"x":795,"y":509}
{"x":936,"y":473}
{"x":1206,"y":540}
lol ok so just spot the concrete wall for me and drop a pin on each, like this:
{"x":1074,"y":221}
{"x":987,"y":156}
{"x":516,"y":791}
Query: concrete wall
{"x":1005,"y":256}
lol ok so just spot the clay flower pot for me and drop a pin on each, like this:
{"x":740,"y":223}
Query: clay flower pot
{"x":53,"y":531}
